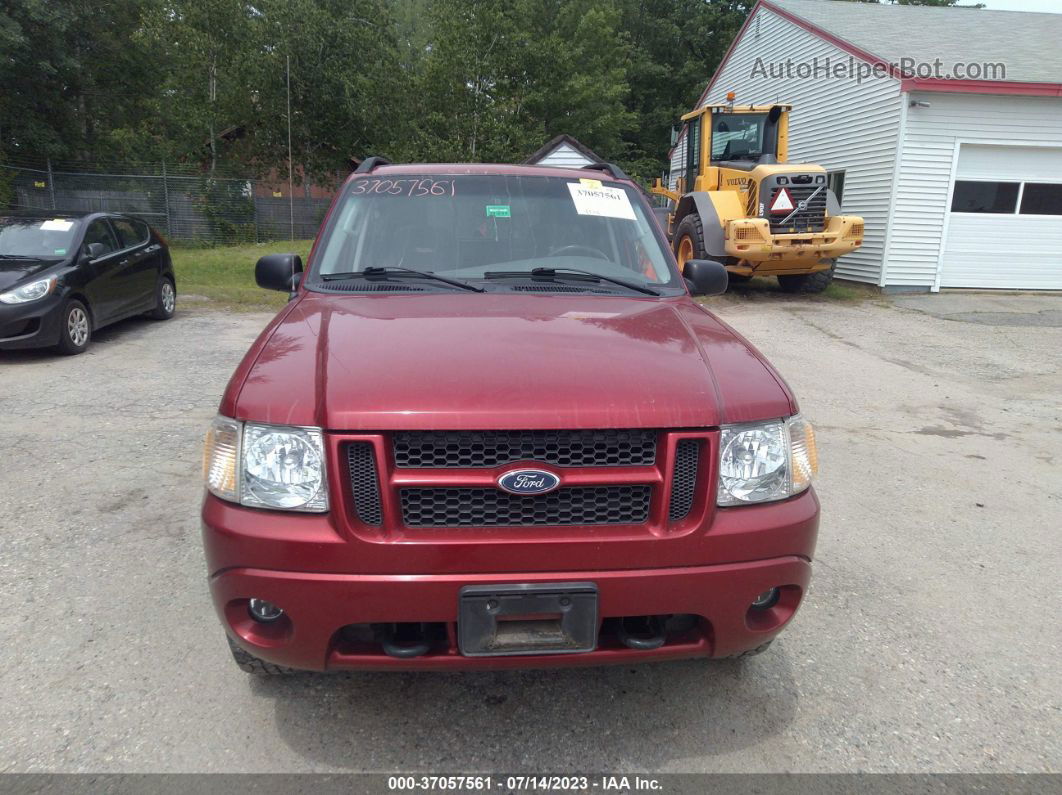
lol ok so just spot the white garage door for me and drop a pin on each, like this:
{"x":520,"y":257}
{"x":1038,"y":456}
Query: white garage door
{"x":1005,"y":219}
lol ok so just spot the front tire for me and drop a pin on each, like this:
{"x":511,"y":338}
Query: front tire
{"x":75,"y":328}
{"x":807,"y":282}
{"x":744,"y":655}
{"x":248,"y":663}
{"x":165,"y":299}
{"x":689,"y":240}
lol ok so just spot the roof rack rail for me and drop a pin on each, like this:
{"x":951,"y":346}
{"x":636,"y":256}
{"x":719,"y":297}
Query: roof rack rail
{"x":368,"y":164}
{"x":610,"y":168}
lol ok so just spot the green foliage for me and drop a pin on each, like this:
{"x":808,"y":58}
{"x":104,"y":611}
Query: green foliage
{"x":72,"y":83}
{"x":203,"y":84}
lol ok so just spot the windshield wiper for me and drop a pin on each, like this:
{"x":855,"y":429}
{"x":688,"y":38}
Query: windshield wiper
{"x":554,"y":274}
{"x":382,"y":273}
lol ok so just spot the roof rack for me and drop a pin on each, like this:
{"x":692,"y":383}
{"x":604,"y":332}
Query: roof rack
{"x":610,"y":168}
{"x":368,"y":164}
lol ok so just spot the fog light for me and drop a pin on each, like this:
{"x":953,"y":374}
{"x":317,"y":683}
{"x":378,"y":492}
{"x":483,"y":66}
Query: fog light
{"x":263,"y":611}
{"x":761,"y":602}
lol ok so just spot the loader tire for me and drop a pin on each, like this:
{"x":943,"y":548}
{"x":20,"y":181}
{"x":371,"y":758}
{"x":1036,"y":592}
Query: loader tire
{"x":807,"y":282}
{"x":688,"y":240}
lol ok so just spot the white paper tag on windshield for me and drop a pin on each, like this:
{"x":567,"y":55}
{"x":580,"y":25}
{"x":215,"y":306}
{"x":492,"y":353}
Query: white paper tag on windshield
{"x":603,"y":202}
{"x":57,"y":225}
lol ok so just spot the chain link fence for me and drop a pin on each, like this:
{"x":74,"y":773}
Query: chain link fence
{"x":183,"y":203}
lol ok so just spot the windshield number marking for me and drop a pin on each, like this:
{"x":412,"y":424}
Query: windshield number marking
{"x":397,"y":187}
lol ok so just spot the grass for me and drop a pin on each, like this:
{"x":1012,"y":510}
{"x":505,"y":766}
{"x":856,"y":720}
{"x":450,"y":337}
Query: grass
{"x":225,"y":275}
{"x":763,"y":289}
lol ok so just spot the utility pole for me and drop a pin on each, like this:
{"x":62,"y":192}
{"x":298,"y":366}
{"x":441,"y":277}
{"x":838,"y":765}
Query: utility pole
{"x":166,"y":200}
{"x":291,"y":180}
{"x":51,"y":182}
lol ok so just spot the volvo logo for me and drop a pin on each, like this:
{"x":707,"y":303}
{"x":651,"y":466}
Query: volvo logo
{"x":528,"y":481}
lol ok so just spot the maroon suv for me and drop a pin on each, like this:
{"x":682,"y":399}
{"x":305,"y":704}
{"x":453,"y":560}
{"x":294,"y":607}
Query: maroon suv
{"x":492,"y":429}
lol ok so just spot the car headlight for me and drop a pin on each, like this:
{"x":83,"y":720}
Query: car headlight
{"x":266,"y":466}
{"x":33,"y":291}
{"x":766,"y":461}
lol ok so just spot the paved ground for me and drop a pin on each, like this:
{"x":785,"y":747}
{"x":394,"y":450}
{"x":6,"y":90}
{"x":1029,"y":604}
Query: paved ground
{"x":929,"y":640}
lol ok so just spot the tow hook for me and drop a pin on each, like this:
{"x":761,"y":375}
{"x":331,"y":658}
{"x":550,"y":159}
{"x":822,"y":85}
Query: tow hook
{"x":406,"y":648}
{"x":642,"y":632}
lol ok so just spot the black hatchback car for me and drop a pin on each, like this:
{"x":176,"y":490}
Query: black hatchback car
{"x":62,"y":276}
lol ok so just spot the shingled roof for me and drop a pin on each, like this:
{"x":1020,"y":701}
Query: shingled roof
{"x":1026,"y":43}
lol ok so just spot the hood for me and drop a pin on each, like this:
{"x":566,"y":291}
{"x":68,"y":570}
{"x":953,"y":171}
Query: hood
{"x":16,"y":269}
{"x":501,"y":360}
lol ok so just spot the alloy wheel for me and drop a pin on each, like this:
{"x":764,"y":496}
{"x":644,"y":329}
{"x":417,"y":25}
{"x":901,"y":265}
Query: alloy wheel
{"x":77,"y":326}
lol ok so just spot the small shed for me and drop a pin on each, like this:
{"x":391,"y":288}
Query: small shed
{"x":564,"y":152}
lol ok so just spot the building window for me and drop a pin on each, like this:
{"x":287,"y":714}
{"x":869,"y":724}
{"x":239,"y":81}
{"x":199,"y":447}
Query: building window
{"x":984,"y":197}
{"x":1041,"y":199}
{"x":835,"y":182}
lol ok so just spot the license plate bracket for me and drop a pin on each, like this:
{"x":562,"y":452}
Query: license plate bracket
{"x":539,"y":618}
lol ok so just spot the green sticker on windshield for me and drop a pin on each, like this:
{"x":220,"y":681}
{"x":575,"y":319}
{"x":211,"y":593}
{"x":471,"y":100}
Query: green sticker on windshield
{"x":60,"y":251}
{"x":498,"y":211}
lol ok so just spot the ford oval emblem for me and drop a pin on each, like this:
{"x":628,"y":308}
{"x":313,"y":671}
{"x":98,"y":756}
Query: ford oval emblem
{"x":528,"y":481}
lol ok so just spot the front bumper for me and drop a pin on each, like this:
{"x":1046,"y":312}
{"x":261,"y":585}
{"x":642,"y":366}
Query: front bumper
{"x":318,"y":606}
{"x":32,"y":325}
{"x":765,"y":254}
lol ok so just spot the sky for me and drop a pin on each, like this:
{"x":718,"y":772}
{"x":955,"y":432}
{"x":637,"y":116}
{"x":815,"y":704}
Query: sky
{"x":1054,"y":6}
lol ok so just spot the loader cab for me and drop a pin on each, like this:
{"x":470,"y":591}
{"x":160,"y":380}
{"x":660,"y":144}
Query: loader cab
{"x":728,"y":136}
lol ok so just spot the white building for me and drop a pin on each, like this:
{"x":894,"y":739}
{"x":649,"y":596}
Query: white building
{"x":944,"y":126}
{"x":563,"y":151}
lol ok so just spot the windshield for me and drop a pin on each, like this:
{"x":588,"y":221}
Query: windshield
{"x":737,"y":136}
{"x":477,"y":226}
{"x":47,"y":238}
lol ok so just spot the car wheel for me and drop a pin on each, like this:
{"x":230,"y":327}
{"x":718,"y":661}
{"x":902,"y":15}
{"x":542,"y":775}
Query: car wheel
{"x":252,"y":665}
{"x":750,"y":653}
{"x":75,"y":328}
{"x":165,"y":299}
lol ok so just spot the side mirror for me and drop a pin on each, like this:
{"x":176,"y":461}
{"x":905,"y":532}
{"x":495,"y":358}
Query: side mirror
{"x":95,"y":250}
{"x":279,"y":272}
{"x":705,"y":277}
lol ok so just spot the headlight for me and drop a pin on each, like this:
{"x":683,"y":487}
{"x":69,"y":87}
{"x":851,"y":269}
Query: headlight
{"x":266,"y":466}
{"x":766,"y":461}
{"x":29,"y":292}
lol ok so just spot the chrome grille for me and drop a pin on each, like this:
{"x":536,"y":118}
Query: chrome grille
{"x":474,"y":449}
{"x":475,"y":507}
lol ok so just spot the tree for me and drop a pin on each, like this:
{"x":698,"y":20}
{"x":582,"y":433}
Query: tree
{"x":78,"y":83}
{"x":497,"y":78}
{"x":347,"y":88}
{"x":676,"y":47}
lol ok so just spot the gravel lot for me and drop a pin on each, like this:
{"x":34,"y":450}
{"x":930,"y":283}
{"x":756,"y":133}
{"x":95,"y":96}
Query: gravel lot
{"x":929,"y":640}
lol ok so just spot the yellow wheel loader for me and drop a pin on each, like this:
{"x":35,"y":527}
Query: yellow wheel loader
{"x":738,"y":202}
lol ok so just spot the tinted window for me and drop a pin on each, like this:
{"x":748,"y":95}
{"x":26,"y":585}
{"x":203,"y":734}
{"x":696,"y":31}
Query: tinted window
{"x":693,"y":151}
{"x":100,"y":232}
{"x":984,"y":197}
{"x":130,"y":233}
{"x":36,"y":237}
{"x":1039,"y":199}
